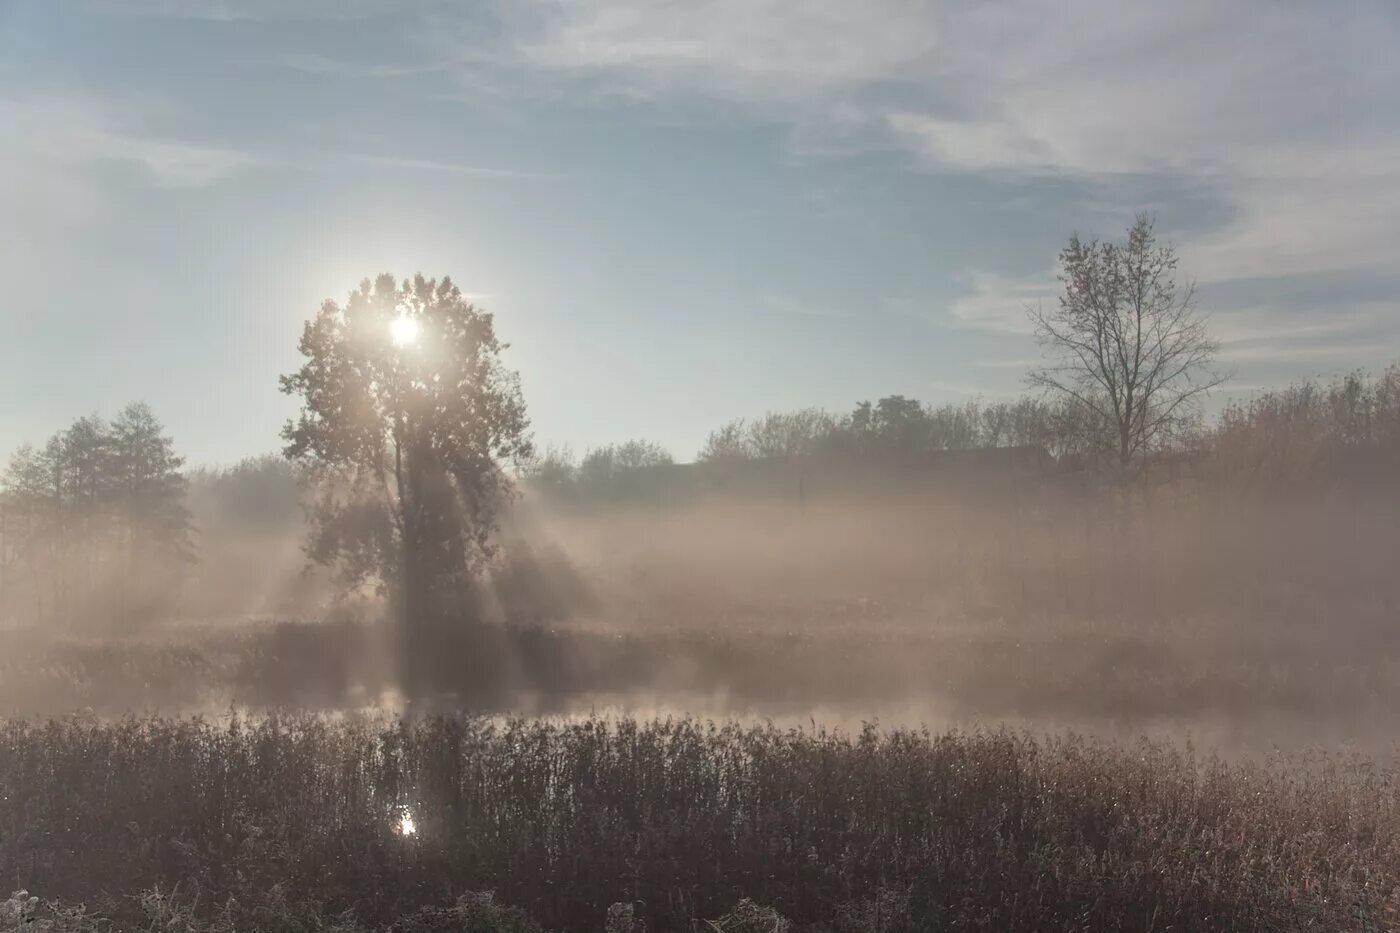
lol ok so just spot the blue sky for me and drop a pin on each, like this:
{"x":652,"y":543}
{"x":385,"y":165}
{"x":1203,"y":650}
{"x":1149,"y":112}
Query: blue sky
{"x":681,"y":212}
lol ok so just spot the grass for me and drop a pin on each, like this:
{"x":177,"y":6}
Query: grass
{"x":682,"y":819}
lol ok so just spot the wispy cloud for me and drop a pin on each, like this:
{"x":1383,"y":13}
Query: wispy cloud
{"x":313,"y":63}
{"x":234,"y":11}
{"x":999,"y":303}
{"x":1284,"y":115}
{"x":452,"y":168}
{"x":1302,"y":323}
{"x":1351,"y":334}
{"x":749,"y":49}
{"x":81,"y":131}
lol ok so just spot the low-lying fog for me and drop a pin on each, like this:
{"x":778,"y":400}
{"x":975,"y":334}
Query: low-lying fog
{"x":1029,"y":602}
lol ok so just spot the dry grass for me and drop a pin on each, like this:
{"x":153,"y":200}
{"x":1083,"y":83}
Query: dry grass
{"x":682,"y":818}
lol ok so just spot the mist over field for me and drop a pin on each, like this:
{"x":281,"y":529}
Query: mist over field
{"x":1239,"y":594}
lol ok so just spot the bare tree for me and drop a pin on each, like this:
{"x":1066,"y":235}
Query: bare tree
{"x":1126,"y":341}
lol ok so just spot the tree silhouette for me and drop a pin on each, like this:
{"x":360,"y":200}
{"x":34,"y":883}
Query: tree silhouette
{"x":1125,"y":340}
{"x":97,"y":519}
{"x":407,"y":411}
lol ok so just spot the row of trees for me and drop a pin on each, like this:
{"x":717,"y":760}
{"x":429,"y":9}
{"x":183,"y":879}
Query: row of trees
{"x":1311,"y":431}
{"x":94,"y":521}
{"x":898,"y":427}
{"x":601,"y":470}
{"x":893,"y":429}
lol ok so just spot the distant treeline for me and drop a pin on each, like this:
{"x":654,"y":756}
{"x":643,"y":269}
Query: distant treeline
{"x":1313,"y":431}
{"x":894,"y":428}
{"x":104,"y":523}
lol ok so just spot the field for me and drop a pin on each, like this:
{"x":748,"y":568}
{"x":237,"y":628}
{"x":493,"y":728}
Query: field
{"x":905,"y":715}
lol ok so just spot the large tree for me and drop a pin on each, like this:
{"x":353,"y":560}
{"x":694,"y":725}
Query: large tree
{"x":1126,"y":342}
{"x":407,"y":414}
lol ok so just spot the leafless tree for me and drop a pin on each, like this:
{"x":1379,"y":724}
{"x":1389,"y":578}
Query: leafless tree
{"x":1126,"y":341}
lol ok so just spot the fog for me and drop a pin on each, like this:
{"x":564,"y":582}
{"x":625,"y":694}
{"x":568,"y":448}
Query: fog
{"x":981,"y":594}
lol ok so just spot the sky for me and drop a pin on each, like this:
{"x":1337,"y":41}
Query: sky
{"x":680,"y":211}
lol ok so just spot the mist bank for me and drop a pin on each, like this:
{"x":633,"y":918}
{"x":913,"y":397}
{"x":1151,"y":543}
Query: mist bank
{"x":1242,"y":587}
{"x":1241,"y":622}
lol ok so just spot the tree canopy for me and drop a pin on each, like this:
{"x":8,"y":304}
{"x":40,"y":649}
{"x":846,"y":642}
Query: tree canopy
{"x":94,"y":523}
{"x":1125,"y":340}
{"x":407,"y":414}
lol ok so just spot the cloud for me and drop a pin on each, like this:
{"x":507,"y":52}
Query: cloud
{"x":78,"y":131}
{"x":773,"y":49}
{"x":1282,"y":115}
{"x":453,"y":168}
{"x":1279,"y":116}
{"x":1352,"y":333}
{"x":312,"y":63}
{"x":43,"y":202}
{"x":52,"y":190}
{"x":236,"y":11}
{"x":998,"y":303}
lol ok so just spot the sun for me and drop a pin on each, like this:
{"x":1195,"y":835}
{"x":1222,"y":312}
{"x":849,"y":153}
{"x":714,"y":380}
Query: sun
{"x":403,"y":331}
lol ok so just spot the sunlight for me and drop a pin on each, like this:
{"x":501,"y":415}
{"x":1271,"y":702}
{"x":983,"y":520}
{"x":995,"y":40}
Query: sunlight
{"x":406,"y":824}
{"x":403,"y":330}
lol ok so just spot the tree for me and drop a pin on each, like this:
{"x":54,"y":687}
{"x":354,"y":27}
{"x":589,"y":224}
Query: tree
{"x":640,"y":454}
{"x":258,"y":495}
{"x":98,"y":517}
{"x":1125,"y":340}
{"x":798,"y":433}
{"x":29,"y":516}
{"x":407,"y":412}
{"x":894,"y":426}
{"x":146,"y":491}
{"x":726,"y":445}
{"x":602,"y":467}
{"x":552,"y":472}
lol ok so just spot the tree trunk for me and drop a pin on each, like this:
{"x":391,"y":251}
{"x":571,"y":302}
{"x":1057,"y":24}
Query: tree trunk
{"x":411,"y":614}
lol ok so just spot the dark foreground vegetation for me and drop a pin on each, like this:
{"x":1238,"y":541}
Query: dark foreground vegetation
{"x":298,"y":822}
